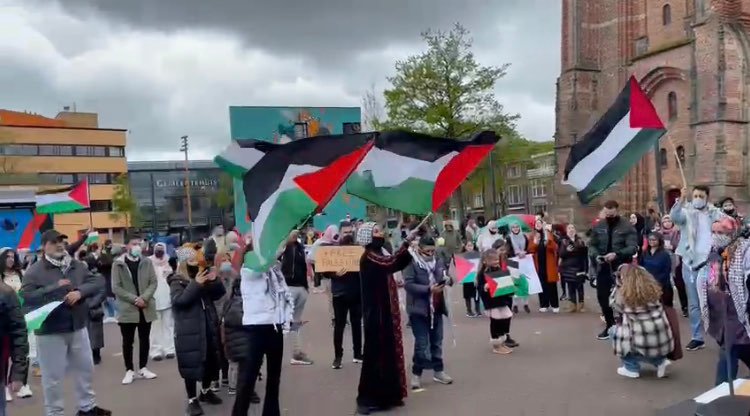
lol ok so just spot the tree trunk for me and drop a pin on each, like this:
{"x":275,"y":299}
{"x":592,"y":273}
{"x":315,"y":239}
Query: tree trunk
{"x":459,"y":195}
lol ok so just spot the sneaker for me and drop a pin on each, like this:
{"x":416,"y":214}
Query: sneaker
{"x":555,"y":310}
{"x":515,"y":309}
{"x":170,"y":356}
{"x":254,"y":398}
{"x":695,"y":345}
{"x":25,"y":392}
{"x":210,"y":397}
{"x":214,"y":387}
{"x":661,"y":369}
{"x":301,"y":359}
{"x":362,"y":410}
{"x":470,"y":314}
{"x":526,"y":309}
{"x":129,"y":376}
{"x":157,"y":358}
{"x":109,"y":320}
{"x":442,"y":378}
{"x":581,"y":307}
{"x":542,"y":310}
{"x":336,"y":363}
{"x":358,"y":359}
{"x":501,"y":349}
{"x":231,"y":391}
{"x":510,"y":342}
{"x":95,"y":411}
{"x":416,"y":382}
{"x":684,"y":312}
{"x":146,"y":374}
{"x":604,"y":335}
{"x":8,"y":395}
{"x":194,"y":408}
{"x":627,"y":373}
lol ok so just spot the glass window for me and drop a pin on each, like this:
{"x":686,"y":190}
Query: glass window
{"x":538,"y":188}
{"x":641,"y":46}
{"x":54,"y":150}
{"x":515,"y":195}
{"x":672,"y":105}
{"x":663,"y":159}
{"x":19,"y":150}
{"x":91,"y":151}
{"x":101,"y":206}
{"x":96,"y":178}
{"x":666,"y":14}
{"x":478,"y":201}
{"x":58,"y":178}
{"x":681,"y":154}
{"x":514,"y":171}
{"x":116,"y":151}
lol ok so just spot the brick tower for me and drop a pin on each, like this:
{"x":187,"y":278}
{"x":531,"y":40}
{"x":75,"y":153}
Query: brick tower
{"x":693,"y":59}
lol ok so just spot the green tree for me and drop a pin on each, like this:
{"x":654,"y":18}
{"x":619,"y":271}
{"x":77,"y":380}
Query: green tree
{"x":124,"y":205}
{"x":444,"y":91}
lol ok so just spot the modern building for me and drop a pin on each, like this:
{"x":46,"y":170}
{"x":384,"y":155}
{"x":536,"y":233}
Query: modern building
{"x":691,"y":58}
{"x":38,"y":152}
{"x":160,"y":188}
{"x":283,"y":124}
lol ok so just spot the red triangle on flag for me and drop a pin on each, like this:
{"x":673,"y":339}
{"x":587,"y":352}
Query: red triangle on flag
{"x":80,"y":193}
{"x":643,"y":115}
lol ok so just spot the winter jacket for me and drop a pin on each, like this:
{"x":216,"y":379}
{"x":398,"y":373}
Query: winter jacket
{"x":574,"y":259}
{"x":686,"y":218}
{"x":13,"y":337}
{"x":104,"y":266}
{"x":550,"y":259}
{"x":96,"y":316}
{"x":488,"y":301}
{"x":417,"y":288}
{"x":659,"y":264}
{"x":236,"y":346}
{"x":40,"y":287}
{"x":196,"y":322}
{"x":126,"y":293}
{"x":262,"y":305}
{"x":294,"y":265}
{"x":624,"y":241}
{"x":452,"y":242}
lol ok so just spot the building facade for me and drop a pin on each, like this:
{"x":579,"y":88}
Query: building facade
{"x":693,"y":59}
{"x":160,"y":189}
{"x":39,"y":153}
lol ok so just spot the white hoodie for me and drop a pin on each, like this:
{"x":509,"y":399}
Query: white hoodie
{"x":266,"y":299}
{"x":163,"y":270}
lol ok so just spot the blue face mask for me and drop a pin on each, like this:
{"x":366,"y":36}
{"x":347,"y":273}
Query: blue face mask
{"x":225,"y":267}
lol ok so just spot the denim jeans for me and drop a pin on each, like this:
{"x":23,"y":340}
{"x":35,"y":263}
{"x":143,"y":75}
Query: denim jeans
{"x":110,"y":307}
{"x":2,"y":402}
{"x":428,"y":344}
{"x":632,"y":362}
{"x":694,"y":309}
{"x":739,"y":352}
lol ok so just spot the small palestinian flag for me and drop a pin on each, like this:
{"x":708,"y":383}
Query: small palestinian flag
{"x":58,"y":201}
{"x":35,"y":318}
{"x":626,"y":132}
{"x":241,"y":155}
{"x":467,"y":265}
{"x":500,"y":282}
{"x":91,"y":238}
{"x":286,"y":184}
{"x":416,"y":173}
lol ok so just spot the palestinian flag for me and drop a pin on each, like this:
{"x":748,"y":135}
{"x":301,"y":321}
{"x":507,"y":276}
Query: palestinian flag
{"x":501,"y":283}
{"x":520,"y":280}
{"x":467,"y":265}
{"x":35,"y":318}
{"x":58,"y":201}
{"x":626,"y":132}
{"x":416,"y":173}
{"x":241,"y":155}
{"x":286,"y":184}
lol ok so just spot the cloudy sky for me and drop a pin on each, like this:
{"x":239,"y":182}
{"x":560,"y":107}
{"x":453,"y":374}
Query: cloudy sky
{"x":166,"y":68}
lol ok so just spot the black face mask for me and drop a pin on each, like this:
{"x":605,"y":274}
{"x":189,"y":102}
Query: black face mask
{"x":347,"y":239}
{"x":493,"y":232}
{"x":192,"y":271}
{"x":377,"y":242}
{"x":612,"y":220}
{"x":729,"y":211}
{"x":159,"y":254}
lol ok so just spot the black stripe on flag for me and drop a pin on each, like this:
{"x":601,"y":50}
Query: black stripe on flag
{"x":428,"y":148}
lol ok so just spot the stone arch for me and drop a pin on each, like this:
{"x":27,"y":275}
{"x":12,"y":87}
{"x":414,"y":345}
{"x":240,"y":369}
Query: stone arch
{"x":659,"y":75}
{"x":741,"y":33}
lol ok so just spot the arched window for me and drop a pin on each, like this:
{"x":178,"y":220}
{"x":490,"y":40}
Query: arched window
{"x":672,"y":105}
{"x":666,"y":14}
{"x":681,"y":154}
{"x":663,"y":158}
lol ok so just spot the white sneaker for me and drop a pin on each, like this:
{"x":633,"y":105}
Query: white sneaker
{"x":555,"y":310}
{"x":661,"y":369}
{"x":8,"y":395}
{"x":542,"y":310}
{"x":25,"y":392}
{"x":109,"y":320}
{"x":627,"y":373}
{"x":129,"y":376}
{"x":146,"y":373}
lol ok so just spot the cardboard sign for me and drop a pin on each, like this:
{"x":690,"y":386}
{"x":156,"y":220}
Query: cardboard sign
{"x":335,"y":258}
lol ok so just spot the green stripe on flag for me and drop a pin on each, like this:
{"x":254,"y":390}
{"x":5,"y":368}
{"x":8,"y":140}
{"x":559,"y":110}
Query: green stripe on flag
{"x":59,"y":207}
{"x":35,"y":318}
{"x":412,"y":196}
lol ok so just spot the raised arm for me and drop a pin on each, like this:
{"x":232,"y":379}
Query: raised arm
{"x":391,"y":264}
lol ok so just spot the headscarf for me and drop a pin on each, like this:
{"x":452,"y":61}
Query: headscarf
{"x":164,"y":259}
{"x":364,"y":233}
{"x":329,"y":236}
{"x":187,"y":254}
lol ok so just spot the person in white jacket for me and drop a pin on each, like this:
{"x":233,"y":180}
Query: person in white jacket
{"x":488,"y":237}
{"x":162,"y":330}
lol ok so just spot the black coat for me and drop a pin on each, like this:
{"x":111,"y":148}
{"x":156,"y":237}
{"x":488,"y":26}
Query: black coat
{"x":13,"y":337}
{"x":196,"y":323}
{"x":488,"y":301}
{"x":96,"y":317}
{"x":236,"y":345}
{"x":574,"y":260}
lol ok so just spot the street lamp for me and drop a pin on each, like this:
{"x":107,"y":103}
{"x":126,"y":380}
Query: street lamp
{"x":184,"y":149}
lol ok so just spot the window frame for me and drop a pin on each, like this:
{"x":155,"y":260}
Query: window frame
{"x":666,"y":15}
{"x":510,"y":195}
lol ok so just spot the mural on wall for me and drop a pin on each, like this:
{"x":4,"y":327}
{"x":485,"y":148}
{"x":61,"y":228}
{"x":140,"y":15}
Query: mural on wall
{"x":20,"y":228}
{"x":284,"y":124}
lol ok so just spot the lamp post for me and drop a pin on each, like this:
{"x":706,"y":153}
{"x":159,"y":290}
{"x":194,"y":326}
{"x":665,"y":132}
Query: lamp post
{"x":184,"y":149}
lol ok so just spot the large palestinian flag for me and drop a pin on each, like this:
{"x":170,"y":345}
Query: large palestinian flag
{"x":58,"y":201}
{"x":285,"y":184}
{"x":416,"y":173}
{"x":628,"y":130}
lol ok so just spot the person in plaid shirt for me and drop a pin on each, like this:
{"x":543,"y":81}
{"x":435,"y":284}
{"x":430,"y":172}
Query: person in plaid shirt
{"x":642,"y":334}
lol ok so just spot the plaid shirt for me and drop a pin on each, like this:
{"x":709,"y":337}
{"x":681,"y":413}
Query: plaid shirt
{"x":644,"y":330}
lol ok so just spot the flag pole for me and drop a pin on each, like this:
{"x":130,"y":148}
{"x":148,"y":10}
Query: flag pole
{"x":679,"y":162}
{"x":91,"y":214}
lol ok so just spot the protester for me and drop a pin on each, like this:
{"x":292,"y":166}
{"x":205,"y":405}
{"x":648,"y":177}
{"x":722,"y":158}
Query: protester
{"x":729,"y":208}
{"x":545,"y":250}
{"x":56,"y":277}
{"x":382,"y":383}
{"x":471,"y":230}
{"x":425,"y":280}
{"x":518,"y":245}
{"x":13,"y":343}
{"x":452,"y":238}
{"x":671,"y":236}
{"x":613,"y":242}
{"x":658,"y":262}
{"x":488,"y":237}
{"x":134,"y":283}
{"x":470,"y":288}
{"x":268,"y":308}
{"x":294,"y":268}
{"x":496,"y":308}
{"x":330,"y":237}
{"x":106,"y":258}
{"x":96,"y":311}
{"x":639,"y":223}
{"x":215,"y":243}
{"x":227,"y":273}
{"x":574,"y":264}
{"x":643,"y":334}
{"x":162,"y":329}
{"x":196,"y":328}
{"x":12,"y":276}
{"x":694,"y":218}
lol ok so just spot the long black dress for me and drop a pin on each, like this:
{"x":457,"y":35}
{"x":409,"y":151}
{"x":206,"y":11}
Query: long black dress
{"x":382,"y":383}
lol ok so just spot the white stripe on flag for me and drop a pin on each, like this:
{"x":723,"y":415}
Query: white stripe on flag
{"x":391,"y":169}
{"x":35,"y":318}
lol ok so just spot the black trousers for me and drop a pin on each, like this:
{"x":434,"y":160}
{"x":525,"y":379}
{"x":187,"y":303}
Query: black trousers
{"x":604,"y":282}
{"x":680,"y":285}
{"x":210,"y":373}
{"x":25,"y":375}
{"x":548,"y":298}
{"x":262,"y":340}
{"x":499,"y":327}
{"x":343,"y":306}
{"x":128,"y":339}
{"x":575,"y":291}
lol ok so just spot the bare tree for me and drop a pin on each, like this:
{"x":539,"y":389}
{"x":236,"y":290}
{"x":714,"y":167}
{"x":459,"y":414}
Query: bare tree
{"x":372,"y":110}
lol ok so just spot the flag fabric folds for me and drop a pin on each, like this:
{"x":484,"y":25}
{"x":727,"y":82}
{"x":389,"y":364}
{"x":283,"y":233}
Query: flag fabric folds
{"x":467,"y":265}
{"x":626,"y":132}
{"x":70,"y":199}
{"x":35,"y":318}
{"x":416,"y":173}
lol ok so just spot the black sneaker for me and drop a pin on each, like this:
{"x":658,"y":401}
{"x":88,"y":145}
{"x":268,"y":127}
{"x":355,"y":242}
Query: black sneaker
{"x":254,"y":398}
{"x":695,"y":345}
{"x":336,"y":363}
{"x":515,"y":309}
{"x":194,"y":408}
{"x":210,"y":397}
{"x":526,"y":309}
{"x":604,"y":335}
{"x":95,"y":411}
{"x":510,"y":342}
{"x":685,"y":312}
{"x":358,"y":359}
{"x":363,"y":410}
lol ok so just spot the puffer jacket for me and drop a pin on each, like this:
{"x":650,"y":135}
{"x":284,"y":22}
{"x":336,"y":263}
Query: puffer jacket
{"x":236,"y":346}
{"x":13,"y":341}
{"x":196,"y":323}
{"x":574,"y":260}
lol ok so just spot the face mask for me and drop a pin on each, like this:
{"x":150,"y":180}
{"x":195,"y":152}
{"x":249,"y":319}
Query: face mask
{"x":135,"y":251}
{"x":699,"y":203}
{"x":347,"y":239}
{"x":377,"y":242}
{"x":729,"y":211}
{"x":720,"y":240}
{"x":226,"y":267}
{"x":159,"y":254}
{"x":192,"y":271}
{"x":493,"y":232}
{"x":611,"y":220}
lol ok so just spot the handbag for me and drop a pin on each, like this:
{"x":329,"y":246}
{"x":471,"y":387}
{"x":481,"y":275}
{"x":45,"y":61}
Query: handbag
{"x":674,"y":324}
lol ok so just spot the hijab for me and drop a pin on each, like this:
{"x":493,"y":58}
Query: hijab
{"x":364,"y":233}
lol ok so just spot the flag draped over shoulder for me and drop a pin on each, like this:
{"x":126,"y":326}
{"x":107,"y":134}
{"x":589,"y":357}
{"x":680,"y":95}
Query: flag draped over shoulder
{"x":416,"y":173}
{"x":285,"y":184}
{"x":70,"y":199}
{"x":623,"y":135}
{"x":35,"y":318}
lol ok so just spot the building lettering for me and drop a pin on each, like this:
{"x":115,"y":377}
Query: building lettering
{"x":180,"y":183}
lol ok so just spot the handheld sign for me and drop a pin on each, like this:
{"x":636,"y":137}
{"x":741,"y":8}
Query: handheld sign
{"x":336,"y":258}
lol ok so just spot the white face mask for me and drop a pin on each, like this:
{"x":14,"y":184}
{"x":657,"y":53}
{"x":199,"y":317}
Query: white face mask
{"x":135,"y":251}
{"x":699,"y":203}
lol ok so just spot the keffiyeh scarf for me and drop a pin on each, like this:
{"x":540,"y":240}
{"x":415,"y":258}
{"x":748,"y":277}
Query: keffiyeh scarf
{"x":364,"y":233}
{"x":63,"y":263}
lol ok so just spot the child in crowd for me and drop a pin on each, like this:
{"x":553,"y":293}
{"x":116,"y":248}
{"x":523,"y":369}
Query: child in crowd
{"x":642,"y":334}
{"x":496,"y":308}
{"x":518,"y":246}
{"x":469,"y":288}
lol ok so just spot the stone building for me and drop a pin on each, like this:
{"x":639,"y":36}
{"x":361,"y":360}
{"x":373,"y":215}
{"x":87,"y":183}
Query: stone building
{"x":692,"y":58}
